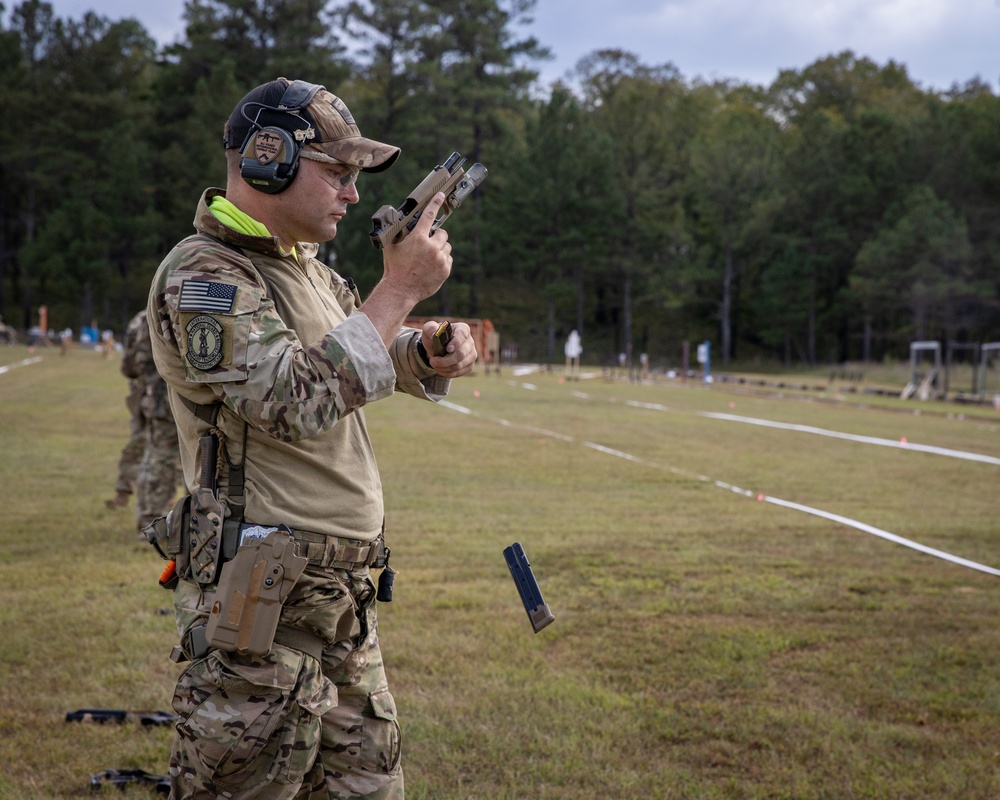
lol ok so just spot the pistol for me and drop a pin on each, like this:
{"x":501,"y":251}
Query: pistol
{"x":122,"y":778}
{"x":102,"y":715}
{"x":520,"y":570}
{"x":392,"y":225}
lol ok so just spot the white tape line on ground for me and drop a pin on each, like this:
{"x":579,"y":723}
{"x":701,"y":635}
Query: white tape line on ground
{"x":602,"y":449}
{"x":922,"y":448}
{"x":458,"y":408}
{"x":789,"y":426}
{"x":27,"y":362}
{"x":650,"y":406}
{"x":506,"y":423}
{"x":861,"y":526}
{"x":851,"y":523}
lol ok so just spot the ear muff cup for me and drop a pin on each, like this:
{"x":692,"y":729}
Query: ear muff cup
{"x":270,"y":159}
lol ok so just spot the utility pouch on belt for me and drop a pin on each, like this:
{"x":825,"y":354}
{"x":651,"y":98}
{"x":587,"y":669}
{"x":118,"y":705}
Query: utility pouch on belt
{"x":207,"y":516}
{"x":251,"y":590}
{"x":168,"y":534}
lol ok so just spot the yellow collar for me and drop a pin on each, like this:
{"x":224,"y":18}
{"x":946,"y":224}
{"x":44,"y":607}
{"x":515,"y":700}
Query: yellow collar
{"x":229,"y":215}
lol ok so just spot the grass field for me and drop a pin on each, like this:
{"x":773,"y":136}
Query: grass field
{"x":710,"y":641}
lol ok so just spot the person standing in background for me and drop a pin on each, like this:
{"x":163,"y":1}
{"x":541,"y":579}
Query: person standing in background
{"x":149,"y":464}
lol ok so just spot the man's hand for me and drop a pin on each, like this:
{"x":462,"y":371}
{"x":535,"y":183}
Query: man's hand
{"x":460,"y":355}
{"x":421,"y":263}
{"x":412,"y":271}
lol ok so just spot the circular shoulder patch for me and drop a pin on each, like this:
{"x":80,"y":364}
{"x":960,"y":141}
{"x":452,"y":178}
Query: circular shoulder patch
{"x":204,"y":342}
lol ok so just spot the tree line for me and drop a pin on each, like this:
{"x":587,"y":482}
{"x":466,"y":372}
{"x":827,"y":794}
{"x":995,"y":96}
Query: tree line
{"x":837,"y":214}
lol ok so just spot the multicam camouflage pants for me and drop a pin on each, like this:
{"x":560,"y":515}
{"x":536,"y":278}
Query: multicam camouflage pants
{"x":131,"y":455}
{"x":158,"y":473}
{"x":283,"y":725}
{"x":160,"y":470}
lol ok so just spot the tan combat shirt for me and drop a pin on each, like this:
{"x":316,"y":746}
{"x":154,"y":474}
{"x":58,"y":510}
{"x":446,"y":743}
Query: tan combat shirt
{"x":275,"y":341}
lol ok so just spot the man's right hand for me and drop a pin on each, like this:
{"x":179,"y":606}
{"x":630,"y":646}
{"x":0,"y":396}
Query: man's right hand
{"x":412,"y":271}
{"x":420,"y":263}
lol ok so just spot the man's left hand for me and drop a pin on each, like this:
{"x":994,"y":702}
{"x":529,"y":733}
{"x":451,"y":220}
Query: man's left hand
{"x":460,"y":353}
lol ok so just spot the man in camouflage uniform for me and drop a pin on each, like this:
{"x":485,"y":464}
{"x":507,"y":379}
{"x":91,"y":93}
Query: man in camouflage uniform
{"x":275,"y":355}
{"x":131,"y":455}
{"x":149,"y":463}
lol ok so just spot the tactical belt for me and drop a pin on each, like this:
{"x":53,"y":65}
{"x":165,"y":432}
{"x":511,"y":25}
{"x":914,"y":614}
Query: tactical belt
{"x":298,"y":639}
{"x":295,"y":638}
{"x":334,"y":552}
{"x":322,"y":549}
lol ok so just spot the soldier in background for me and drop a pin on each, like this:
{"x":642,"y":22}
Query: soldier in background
{"x":131,"y":456}
{"x":150,"y":461}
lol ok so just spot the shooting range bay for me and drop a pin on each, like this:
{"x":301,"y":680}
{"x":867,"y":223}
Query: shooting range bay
{"x":761,"y":497}
{"x":729,"y":622}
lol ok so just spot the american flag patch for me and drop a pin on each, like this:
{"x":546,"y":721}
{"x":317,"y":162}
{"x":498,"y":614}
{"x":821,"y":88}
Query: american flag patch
{"x":207,"y":296}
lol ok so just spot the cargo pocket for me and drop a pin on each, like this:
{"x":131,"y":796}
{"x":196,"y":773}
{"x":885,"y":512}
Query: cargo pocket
{"x":361,"y":732}
{"x":380,"y":742}
{"x":245,"y":723}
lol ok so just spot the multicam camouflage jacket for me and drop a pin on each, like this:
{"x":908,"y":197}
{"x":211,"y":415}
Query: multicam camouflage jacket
{"x":137,"y":350}
{"x":138,"y":366}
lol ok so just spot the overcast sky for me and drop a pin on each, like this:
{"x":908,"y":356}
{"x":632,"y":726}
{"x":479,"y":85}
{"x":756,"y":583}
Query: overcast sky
{"x":940,"y":42}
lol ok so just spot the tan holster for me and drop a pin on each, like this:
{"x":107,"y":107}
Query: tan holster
{"x":252,"y":587}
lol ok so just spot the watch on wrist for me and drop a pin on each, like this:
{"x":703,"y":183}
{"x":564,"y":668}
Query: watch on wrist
{"x":422,"y":352}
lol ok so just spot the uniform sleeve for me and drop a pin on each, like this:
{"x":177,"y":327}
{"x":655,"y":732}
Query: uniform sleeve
{"x":229,"y":338}
{"x":412,"y":375}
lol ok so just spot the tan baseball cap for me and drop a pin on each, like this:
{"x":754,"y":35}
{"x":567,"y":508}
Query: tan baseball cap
{"x":318,"y":118}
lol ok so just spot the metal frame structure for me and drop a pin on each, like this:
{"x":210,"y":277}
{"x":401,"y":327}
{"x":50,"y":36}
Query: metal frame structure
{"x":984,"y":357}
{"x":932,"y":380}
{"x":952,"y":347}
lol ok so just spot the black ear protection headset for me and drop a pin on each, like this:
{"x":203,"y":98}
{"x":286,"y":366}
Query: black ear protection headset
{"x":276,"y":150}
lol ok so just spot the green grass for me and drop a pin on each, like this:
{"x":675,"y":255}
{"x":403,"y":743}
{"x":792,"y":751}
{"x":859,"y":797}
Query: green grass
{"x":706,"y":644}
